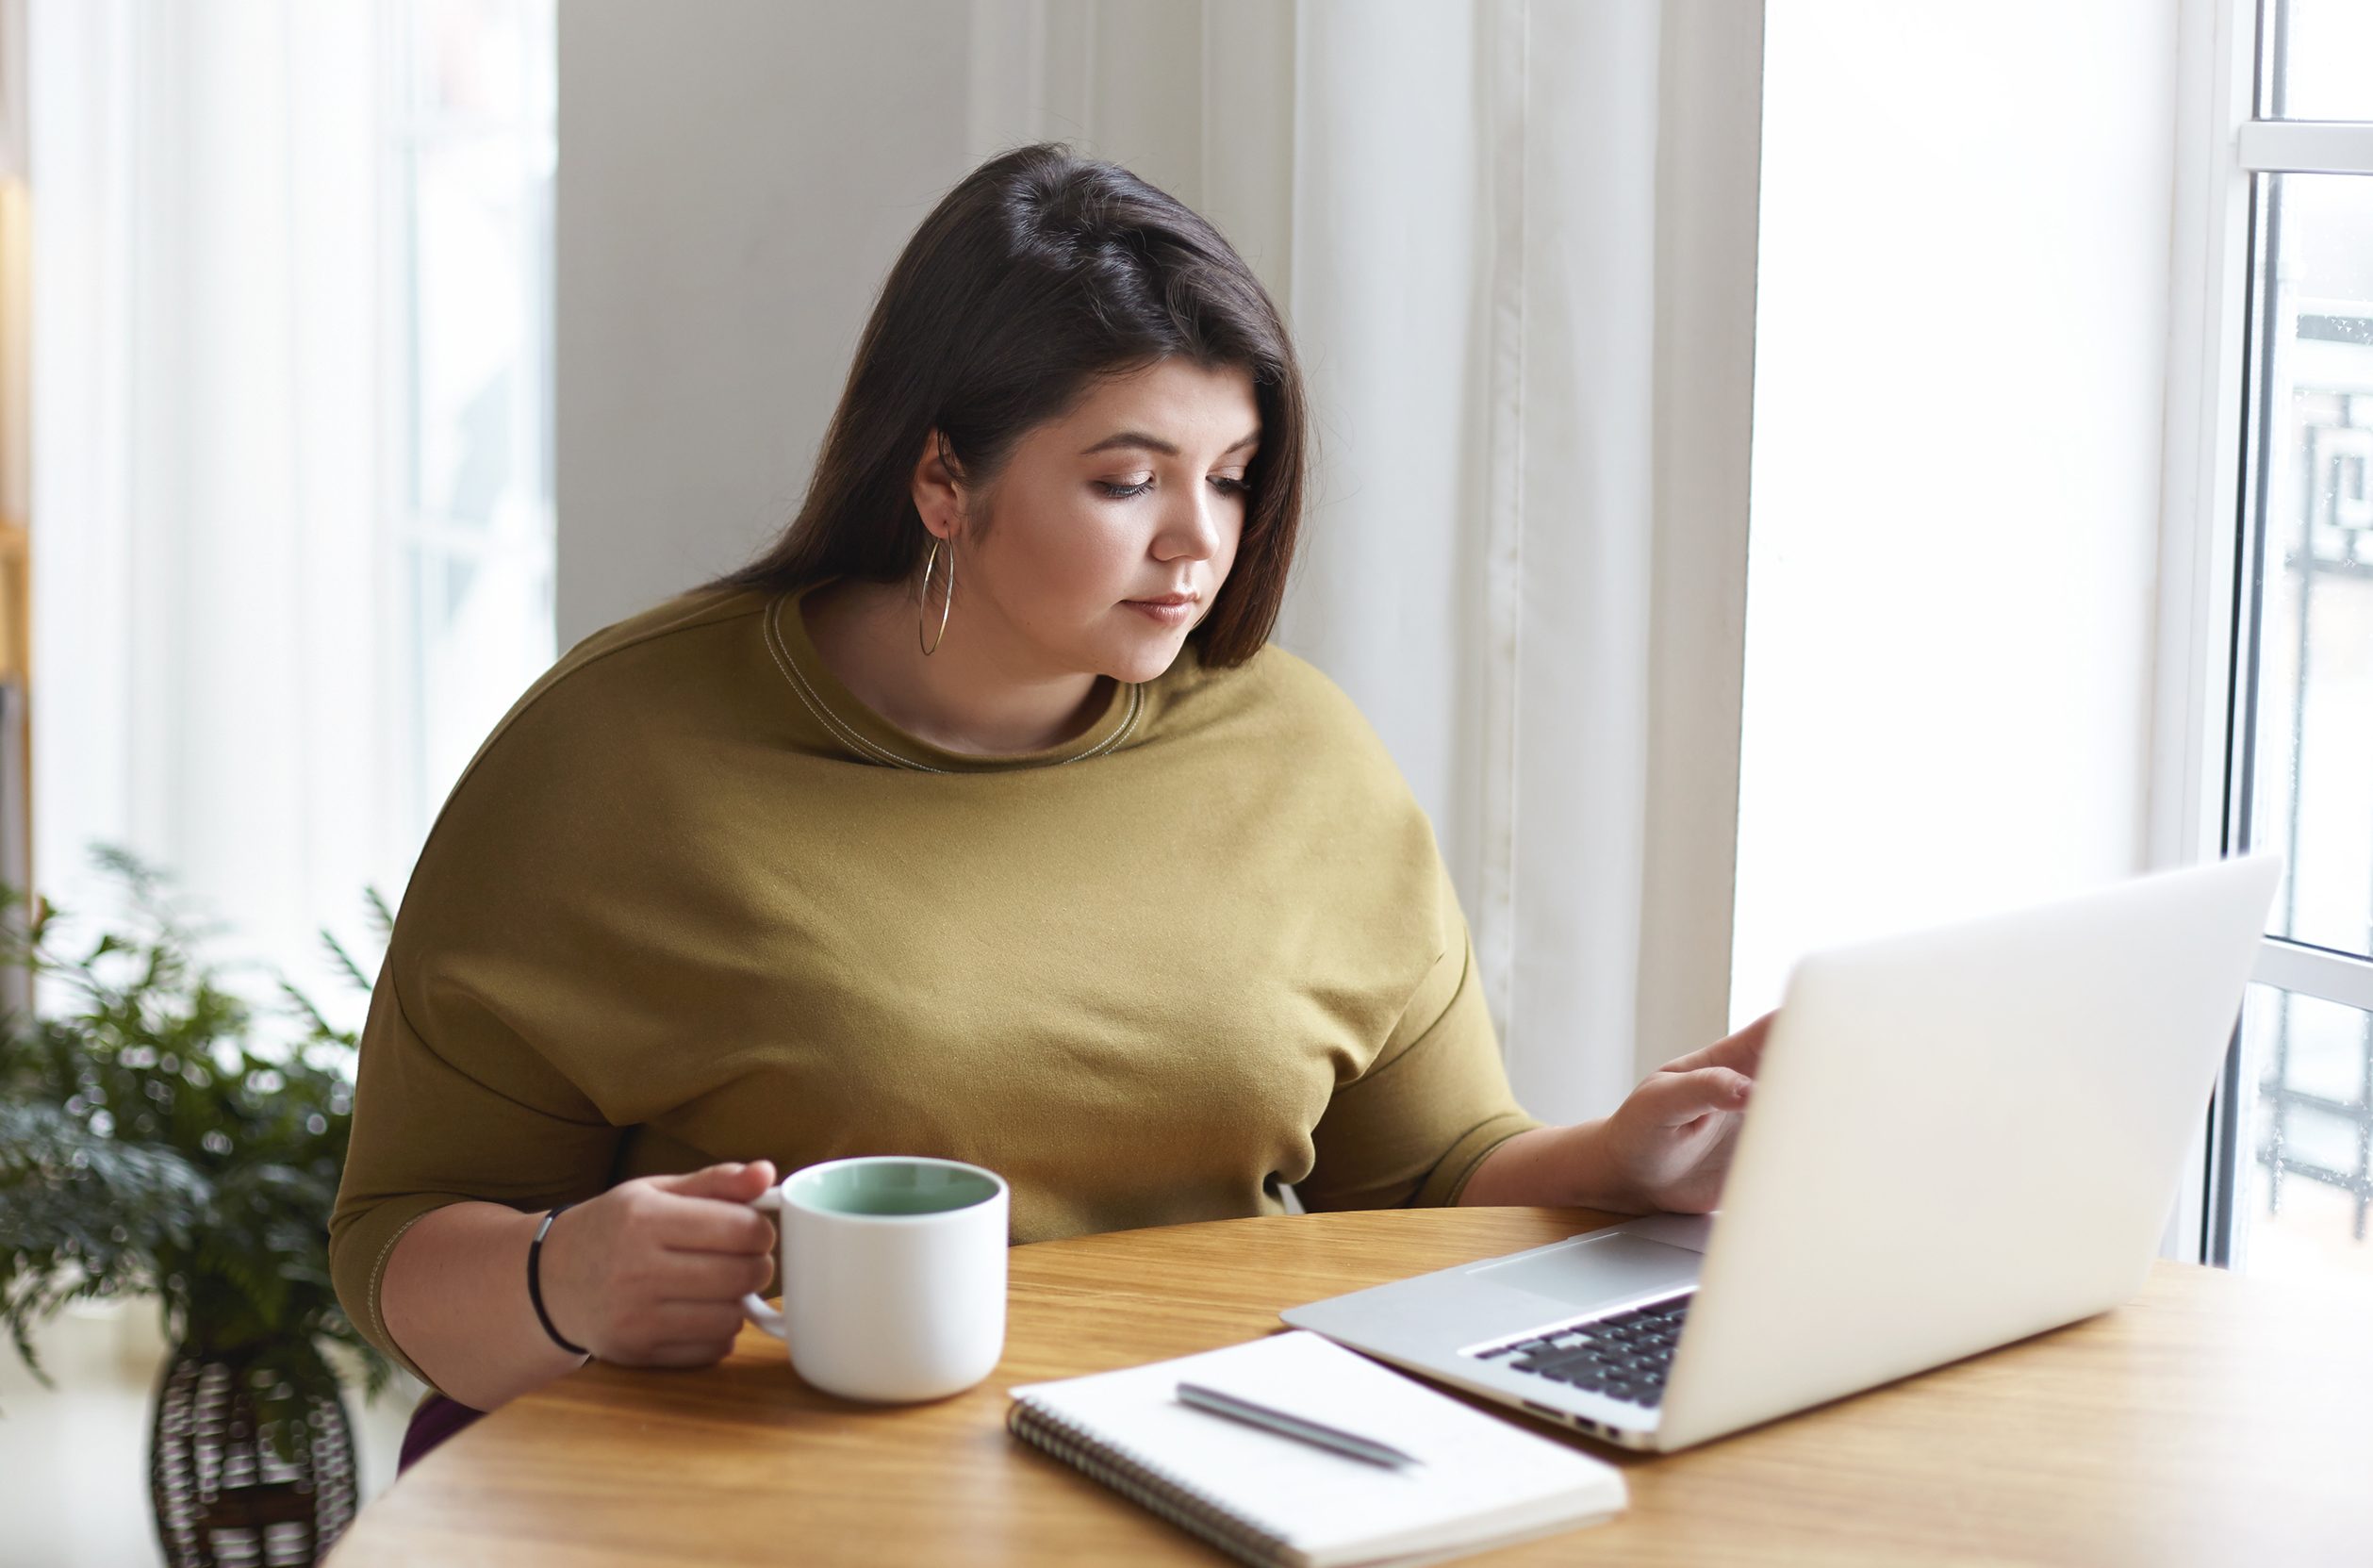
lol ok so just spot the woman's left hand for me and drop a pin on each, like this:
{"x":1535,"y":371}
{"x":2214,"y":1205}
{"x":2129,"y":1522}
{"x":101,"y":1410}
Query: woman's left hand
{"x":1669,"y":1143}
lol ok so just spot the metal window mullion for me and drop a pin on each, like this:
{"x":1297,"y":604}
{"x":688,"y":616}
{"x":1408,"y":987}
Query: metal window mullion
{"x":2307,"y":146}
{"x":2317,"y":972}
{"x":2193,"y":684}
{"x":2221,"y":509}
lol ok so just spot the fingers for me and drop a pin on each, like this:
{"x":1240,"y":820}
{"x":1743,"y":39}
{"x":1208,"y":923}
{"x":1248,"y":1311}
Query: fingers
{"x":675,"y":1333}
{"x":708,"y":1211}
{"x":694,"y":1224}
{"x":1741,"y":1052}
{"x":1672,"y":1097}
{"x":692,"y":1320}
{"x":662,"y":1260}
{"x":715,"y":1276}
{"x":735,"y":1183}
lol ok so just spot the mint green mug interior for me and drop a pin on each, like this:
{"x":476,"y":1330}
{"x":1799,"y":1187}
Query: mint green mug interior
{"x":889,"y":1187}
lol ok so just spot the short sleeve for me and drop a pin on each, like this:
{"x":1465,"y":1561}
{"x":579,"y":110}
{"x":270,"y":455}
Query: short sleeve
{"x":1412,"y":1128}
{"x":522,"y":964}
{"x":460,"y":1110}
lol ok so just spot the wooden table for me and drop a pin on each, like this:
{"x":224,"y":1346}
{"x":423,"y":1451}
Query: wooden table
{"x":2215,"y":1419}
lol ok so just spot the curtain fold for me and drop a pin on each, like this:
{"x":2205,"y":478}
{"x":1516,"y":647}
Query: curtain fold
{"x":206,"y":646}
{"x":1468,"y":213}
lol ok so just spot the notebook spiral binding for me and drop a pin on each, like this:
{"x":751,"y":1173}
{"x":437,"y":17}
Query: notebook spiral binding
{"x":1189,"y":1508}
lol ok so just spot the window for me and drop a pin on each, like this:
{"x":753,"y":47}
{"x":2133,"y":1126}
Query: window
{"x":291,"y":481}
{"x":2291,"y":1168}
{"x":469,"y":493}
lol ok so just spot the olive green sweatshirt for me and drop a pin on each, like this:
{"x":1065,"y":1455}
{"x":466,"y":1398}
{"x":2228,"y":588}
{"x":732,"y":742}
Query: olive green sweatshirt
{"x":692,"y":902}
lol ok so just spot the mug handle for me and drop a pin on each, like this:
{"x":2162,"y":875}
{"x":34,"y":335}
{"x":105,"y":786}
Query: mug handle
{"x":768,"y":1320}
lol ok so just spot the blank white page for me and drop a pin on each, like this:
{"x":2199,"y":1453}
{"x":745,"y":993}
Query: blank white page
{"x":1481,"y":1480}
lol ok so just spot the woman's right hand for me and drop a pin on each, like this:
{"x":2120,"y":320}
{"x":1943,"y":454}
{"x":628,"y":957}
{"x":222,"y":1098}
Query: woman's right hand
{"x":653,"y":1271}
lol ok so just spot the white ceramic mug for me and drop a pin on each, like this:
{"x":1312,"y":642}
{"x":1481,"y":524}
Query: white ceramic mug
{"x":893,"y":1275}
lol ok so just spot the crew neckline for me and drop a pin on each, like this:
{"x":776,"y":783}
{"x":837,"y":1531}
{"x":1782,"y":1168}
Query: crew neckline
{"x":865,"y":734}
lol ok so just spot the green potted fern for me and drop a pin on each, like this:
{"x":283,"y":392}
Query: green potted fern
{"x":157,"y":1138}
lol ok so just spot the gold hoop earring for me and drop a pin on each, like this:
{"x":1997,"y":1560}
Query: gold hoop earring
{"x":924,"y":613}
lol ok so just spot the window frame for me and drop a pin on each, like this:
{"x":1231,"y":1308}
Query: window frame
{"x":411,"y":536}
{"x":2208,"y":637}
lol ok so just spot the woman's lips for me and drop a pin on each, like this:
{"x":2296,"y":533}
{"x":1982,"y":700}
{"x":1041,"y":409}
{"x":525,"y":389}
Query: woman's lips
{"x":1165,"y":612}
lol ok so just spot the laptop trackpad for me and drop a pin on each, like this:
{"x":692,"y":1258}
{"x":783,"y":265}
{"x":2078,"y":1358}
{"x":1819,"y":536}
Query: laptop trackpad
{"x":1606,"y":1268}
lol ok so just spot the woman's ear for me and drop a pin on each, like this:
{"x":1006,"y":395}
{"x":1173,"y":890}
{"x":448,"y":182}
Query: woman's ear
{"x":938,"y":492}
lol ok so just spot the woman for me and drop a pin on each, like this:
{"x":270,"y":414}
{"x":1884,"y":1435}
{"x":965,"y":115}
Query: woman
{"x":973,"y":819}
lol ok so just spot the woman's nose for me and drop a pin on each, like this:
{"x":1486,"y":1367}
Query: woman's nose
{"x":1193,"y":534}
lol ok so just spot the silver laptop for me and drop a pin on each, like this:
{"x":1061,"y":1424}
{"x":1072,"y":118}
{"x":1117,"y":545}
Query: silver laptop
{"x":1957,"y":1138}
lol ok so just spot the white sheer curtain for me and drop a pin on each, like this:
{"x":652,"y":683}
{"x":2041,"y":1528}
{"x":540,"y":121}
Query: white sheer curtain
{"x":207,"y":669}
{"x":1515,"y":243}
{"x":293,"y":509}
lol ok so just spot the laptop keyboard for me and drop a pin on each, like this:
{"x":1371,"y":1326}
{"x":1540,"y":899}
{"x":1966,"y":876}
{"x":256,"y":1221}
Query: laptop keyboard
{"x":1624,"y":1356}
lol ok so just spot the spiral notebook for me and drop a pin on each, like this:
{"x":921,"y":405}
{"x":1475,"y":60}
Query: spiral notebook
{"x":1271,"y":1499}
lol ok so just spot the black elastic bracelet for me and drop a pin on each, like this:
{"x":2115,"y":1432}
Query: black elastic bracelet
{"x":536,"y":1286}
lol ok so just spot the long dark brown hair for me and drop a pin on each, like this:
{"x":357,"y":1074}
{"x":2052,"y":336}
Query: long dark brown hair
{"x":1040,"y":273}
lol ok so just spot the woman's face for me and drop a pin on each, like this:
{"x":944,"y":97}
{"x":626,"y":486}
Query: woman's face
{"x":1135,"y":497}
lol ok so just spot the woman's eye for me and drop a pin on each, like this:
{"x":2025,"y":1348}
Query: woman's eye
{"x":1122,"y":493}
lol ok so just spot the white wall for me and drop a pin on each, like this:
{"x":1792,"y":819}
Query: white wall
{"x":1961,"y":318}
{"x":711,"y":288}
